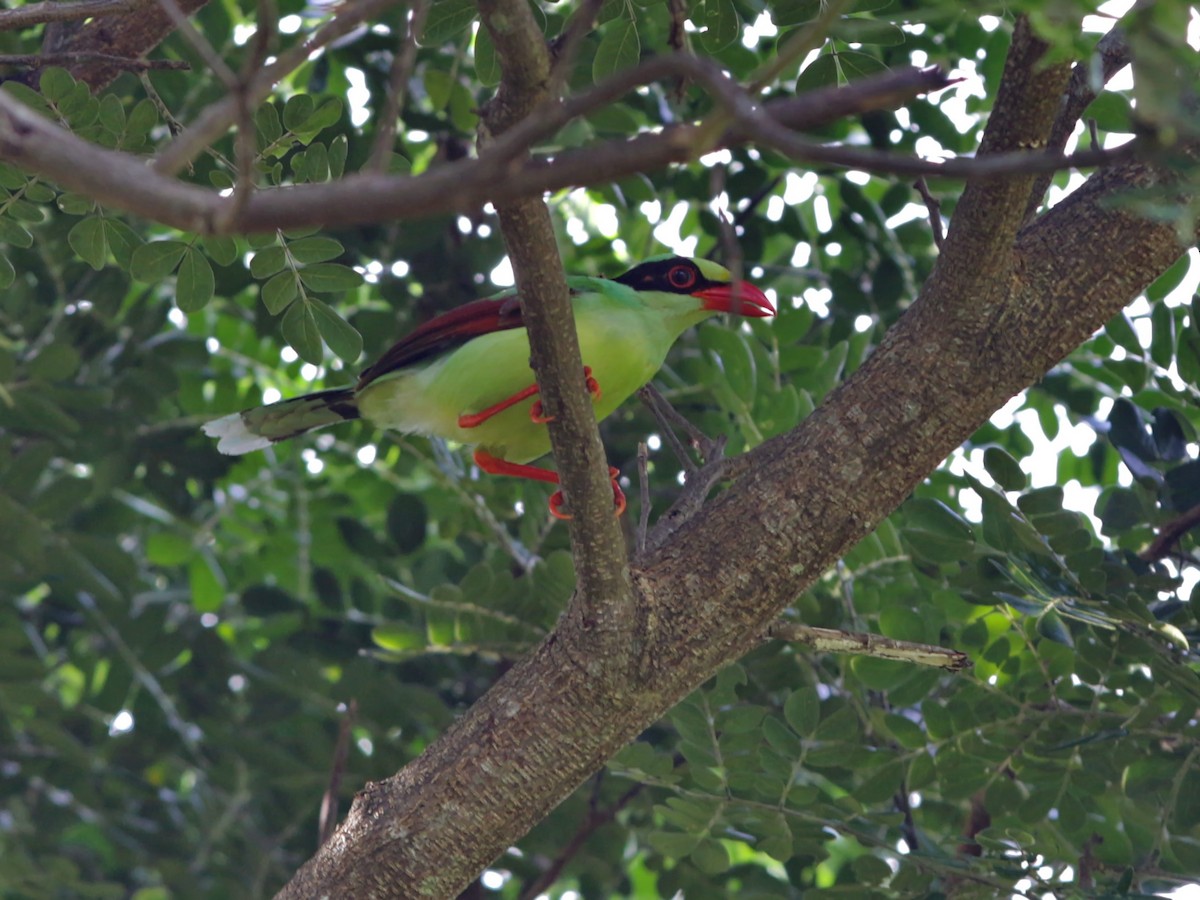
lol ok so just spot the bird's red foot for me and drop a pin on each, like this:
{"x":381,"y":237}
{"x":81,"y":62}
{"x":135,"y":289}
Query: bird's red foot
{"x":593,"y":386}
{"x":556,"y":499}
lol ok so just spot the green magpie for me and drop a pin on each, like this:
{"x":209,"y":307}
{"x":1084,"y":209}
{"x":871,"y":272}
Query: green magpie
{"x":464,"y":375}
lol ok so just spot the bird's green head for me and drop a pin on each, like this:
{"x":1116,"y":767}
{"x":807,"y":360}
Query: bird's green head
{"x":706,"y":281}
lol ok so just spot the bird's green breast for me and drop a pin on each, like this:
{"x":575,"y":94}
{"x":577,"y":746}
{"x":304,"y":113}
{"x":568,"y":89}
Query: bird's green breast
{"x":623,"y":340}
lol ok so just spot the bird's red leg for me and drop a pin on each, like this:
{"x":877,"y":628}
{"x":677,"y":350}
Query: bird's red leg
{"x":593,"y":386}
{"x":495,"y":466}
{"x":473,"y":420}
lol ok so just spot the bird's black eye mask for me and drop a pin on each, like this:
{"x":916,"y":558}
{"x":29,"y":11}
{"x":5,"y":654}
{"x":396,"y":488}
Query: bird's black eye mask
{"x":674,"y":275}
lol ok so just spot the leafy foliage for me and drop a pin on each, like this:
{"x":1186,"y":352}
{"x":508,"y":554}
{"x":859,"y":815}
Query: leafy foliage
{"x":188,"y":630}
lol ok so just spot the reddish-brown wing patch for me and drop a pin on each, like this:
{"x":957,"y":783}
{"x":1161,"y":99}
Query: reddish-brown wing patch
{"x":445,"y":332}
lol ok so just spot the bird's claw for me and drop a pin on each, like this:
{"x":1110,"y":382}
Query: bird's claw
{"x":537,"y":413}
{"x":556,"y":499}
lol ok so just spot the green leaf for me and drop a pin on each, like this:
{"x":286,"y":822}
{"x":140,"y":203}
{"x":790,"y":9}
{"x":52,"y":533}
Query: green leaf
{"x":112,"y":113}
{"x":279,"y":291}
{"x":855,"y":30}
{"x":143,"y":118}
{"x":619,"y":49}
{"x":447,"y":20}
{"x":14,"y":235}
{"x":342,"y":337}
{"x":7,"y":273}
{"x":437,"y":84}
{"x":166,"y":548}
{"x":821,"y":72}
{"x":338,"y":148}
{"x":221,"y":249}
{"x":296,"y":111}
{"x":207,"y":592}
{"x":266,"y":120}
{"x":854,"y":65}
{"x":710,"y":856}
{"x":327,"y":113}
{"x":736,"y":363}
{"x":315,"y":249}
{"x":398,"y":637}
{"x":156,"y":260}
{"x":1005,"y":470}
{"x":329,"y":277}
{"x":268,"y":261}
{"x":487,"y":65}
{"x":56,"y":84}
{"x":316,"y":163}
{"x":721,"y":24}
{"x":122,"y":241}
{"x":802,"y":709}
{"x":194,"y":285}
{"x":671,"y":844}
{"x":87,"y":240}
{"x":407,"y":522}
{"x":794,"y":12}
{"x":300,"y":330}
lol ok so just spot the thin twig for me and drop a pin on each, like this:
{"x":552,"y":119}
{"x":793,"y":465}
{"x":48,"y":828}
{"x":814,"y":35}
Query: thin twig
{"x":595,"y":819}
{"x":798,"y":45}
{"x":186,"y":732}
{"x":200,"y":44}
{"x":755,"y":199}
{"x":643,"y":467}
{"x":565,"y":47}
{"x":328,"y":819}
{"x":731,"y":253}
{"x":935,"y":211}
{"x":1170,"y":534}
{"x":402,"y":68}
{"x":217,"y":118}
{"x":832,"y":640}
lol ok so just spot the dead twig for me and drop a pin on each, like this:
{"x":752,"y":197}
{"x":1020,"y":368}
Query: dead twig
{"x":833,"y":640}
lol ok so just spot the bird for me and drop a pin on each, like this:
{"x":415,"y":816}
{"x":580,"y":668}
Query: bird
{"x":464,"y":375}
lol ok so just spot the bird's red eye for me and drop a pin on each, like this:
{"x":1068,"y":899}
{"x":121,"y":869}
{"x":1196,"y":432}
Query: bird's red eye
{"x":682,"y":277}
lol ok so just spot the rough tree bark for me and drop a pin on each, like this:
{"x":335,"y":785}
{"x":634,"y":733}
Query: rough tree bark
{"x":1002,"y":307}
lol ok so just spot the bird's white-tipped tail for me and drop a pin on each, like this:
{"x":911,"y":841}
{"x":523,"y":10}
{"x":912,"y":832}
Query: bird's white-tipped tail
{"x":262,"y":426}
{"x":233,"y":437}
